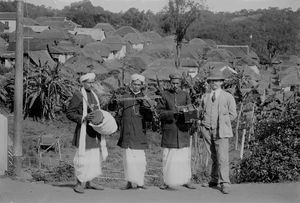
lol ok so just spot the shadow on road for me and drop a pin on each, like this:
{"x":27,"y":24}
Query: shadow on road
{"x":68,"y":185}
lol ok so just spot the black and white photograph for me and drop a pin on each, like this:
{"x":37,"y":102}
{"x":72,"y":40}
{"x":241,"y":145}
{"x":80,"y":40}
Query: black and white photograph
{"x":149,"y":101}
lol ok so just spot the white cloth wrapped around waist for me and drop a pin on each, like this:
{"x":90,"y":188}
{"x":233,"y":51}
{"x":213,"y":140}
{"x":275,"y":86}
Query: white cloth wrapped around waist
{"x":108,"y":126}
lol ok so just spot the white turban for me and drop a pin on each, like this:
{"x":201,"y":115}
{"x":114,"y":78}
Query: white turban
{"x":138,"y":77}
{"x":88,"y":76}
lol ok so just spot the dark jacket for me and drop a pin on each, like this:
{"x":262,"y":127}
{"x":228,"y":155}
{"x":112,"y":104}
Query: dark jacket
{"x":175,"y":132}
{"x":74,"y":113}
{"x":133,"y":117}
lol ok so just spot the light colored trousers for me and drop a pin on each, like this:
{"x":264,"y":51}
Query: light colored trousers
{"x":87,"y":166}
{"x":134,"y":165}
{"x":218,"y":149}
{"x":177,"y":166}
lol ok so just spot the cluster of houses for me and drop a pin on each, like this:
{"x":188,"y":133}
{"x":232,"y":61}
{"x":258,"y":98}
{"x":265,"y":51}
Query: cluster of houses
{"x":54,"y":40}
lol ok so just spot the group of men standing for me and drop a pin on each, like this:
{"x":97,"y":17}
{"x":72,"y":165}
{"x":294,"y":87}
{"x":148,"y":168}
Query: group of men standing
{"x":218,"y":107}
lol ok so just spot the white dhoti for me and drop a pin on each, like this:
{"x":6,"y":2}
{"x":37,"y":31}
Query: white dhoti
{"x":177,"y":166}
{"x":134,"y":166}
{"x":87,"y":166}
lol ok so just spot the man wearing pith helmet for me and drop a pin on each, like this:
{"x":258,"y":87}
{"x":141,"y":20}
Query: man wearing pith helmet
{"x":175,"y":136}
{"x":81,"y":110}
{"x":219,"y":109}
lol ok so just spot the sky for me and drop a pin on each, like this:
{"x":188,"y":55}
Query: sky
{"x":157,"y":5}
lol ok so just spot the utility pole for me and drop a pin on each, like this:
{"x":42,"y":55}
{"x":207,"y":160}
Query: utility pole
{"x":18,"y":101}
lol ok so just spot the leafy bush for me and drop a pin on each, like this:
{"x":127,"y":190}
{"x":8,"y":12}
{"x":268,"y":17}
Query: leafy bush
{"x":274,"y":152}
{"x":62,"y":173}
{"x":7,"y":90}
{"x":4,"y":70}
{"x":45,"y":92}
{"x":3,"y":92}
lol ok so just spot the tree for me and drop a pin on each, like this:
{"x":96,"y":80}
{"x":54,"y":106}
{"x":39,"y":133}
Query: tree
{"x":32,"y":11}
{"x":131,"y":18}
{"x":82,"y":12}
{"x":273,"y":49}
{"x":180,"y":14}
{"x":140,"y":20}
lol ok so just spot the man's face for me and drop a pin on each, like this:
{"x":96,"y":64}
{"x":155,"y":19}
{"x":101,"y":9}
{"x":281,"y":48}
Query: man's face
{"x":215,"y":84}
{"x":88,"y":84}
{"x":136,"y":85}
{"x":175,"y":83}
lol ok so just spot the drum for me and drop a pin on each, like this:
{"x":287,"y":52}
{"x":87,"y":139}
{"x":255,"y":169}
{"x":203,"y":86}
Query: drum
{"x":108,"y":125}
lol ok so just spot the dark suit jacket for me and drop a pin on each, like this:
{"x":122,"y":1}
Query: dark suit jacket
{"x":175,"y":133}
{"x":74,"y":113}
{"x":134,"y":115}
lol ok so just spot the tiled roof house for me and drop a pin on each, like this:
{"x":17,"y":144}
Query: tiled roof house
{"x":106,"y":27}
{"x":9,"y":20}
{"x":117,"y":46}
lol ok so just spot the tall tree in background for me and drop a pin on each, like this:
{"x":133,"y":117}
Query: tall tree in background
{"x":30,"y":10}
{"x":83,"y":12}
{"x":142,"y":21}
{"x":180,"y":15}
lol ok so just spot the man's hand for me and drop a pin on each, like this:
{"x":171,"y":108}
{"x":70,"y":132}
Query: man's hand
{"x":178,"y":115}
{"x":97,"y":117}
{"x":146,"y":102}
{"x":89,"y":117}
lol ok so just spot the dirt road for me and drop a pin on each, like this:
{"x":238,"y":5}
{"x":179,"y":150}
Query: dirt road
{"x":12,"y":191}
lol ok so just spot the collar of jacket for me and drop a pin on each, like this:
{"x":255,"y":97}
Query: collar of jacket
{"x":140,"y":93}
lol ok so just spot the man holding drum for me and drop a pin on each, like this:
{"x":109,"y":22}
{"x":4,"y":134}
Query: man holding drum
{"x":84,"y":110}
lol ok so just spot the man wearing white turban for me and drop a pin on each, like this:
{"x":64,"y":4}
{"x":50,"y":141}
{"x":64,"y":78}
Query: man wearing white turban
{"x":134,"y":114}
{"x":87,"y":159}
{"x":138,"y":77}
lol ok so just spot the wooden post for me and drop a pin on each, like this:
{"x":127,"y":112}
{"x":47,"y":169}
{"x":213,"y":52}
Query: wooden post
{"x":123,"y":77}
{"x":251,"y":130}
{"x":243,"y":144}
{"x":237,"y":127}
{"x":177,"y":57}
{"x":18,"y":102}
{"x":3,"y":143}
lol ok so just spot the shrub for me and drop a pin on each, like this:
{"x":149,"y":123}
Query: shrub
{"x":45,"y":92}
{"x":64,"y":172}
{"x":3,"y":93}
{"x":7,"y":90}
{"x":274,"y":152}
{"x":4,"y":70}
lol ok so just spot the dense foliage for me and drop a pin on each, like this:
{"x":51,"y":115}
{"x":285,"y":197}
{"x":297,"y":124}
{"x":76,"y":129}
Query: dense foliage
{"x":63,"y":172}
{"x":3,"y":93}
{"x":273,"y":154}
{"x":45,"y":92}
{"x":7,"y":89}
